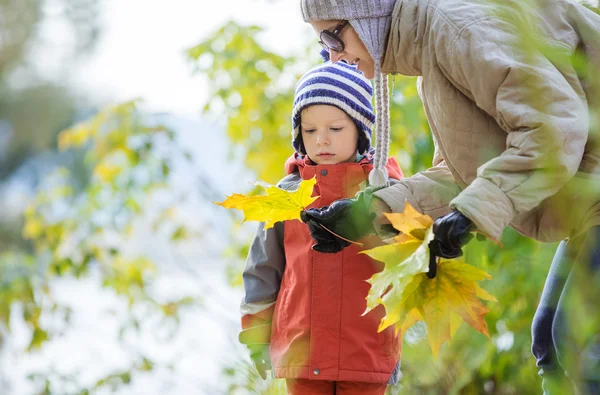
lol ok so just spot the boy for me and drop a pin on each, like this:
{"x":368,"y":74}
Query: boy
{"x":303,"y":307}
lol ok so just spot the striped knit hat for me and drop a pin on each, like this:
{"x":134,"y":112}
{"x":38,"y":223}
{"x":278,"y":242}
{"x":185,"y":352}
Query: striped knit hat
{"x":340,"y":85}
{"x":371,"y":19}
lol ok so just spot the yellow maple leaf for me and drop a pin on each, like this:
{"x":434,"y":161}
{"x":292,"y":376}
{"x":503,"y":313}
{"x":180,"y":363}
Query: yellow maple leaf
{"x":447,"y":300}
{"x":277,"y":205}
{"x":410,"y":222}
{"x":408,"y":295}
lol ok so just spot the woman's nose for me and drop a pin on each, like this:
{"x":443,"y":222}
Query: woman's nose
{"x":335,"y":56}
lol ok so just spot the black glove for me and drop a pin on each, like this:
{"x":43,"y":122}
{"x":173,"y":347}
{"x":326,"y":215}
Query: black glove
{"x":257,"y":339}
{"x":348,"y":218}
{"x":451,"y":233}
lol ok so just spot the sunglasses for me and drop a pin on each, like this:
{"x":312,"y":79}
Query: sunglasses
{"x":330,"y":40}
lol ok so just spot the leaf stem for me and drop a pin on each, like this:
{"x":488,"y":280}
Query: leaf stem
{"x":343,"y":238}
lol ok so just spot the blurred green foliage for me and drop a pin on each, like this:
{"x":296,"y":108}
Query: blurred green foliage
{"x":72,"y":229}
{"x":92,"y":183}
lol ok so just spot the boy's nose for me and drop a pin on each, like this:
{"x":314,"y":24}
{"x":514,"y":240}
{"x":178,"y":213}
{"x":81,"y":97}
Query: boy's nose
{"x":322,"y":140}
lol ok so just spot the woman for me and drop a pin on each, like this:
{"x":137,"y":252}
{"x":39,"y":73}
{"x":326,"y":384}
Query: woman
{"x":511,"y":126}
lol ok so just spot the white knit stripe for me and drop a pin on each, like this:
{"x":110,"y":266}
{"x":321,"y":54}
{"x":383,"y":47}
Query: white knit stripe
{"x":347,"y":81}
{"x":329,"y":100}
{"x":342,"y":92}
{"x":352,"y":71}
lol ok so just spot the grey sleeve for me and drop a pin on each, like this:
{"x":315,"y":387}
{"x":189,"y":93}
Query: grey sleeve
{"x":264,"y":267}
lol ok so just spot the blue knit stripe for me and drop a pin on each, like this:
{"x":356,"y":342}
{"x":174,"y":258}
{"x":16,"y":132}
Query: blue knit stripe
{"x":345,"y":91}
{"x":366,"y":112}
{"x":353,"y":74}
{"x":334,"y":96}
{"x":345,"y":73}
{"x":341,"y":74}
{"x":348,"y":91}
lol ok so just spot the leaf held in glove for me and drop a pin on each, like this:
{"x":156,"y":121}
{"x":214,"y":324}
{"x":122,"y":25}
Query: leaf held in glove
{"x":277,"y":205}
{"x":408,"y":295}
{"x":451,"y":297}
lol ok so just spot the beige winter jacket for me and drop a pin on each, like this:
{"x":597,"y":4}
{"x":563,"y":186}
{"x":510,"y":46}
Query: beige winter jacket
{"x":510,"y":123}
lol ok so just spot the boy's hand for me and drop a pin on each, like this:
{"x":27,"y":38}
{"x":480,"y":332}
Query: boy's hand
{"x":325,"y":241}
{"x":257,"y":339}
{"x":259,"y":354}
{"x":351,"y":219}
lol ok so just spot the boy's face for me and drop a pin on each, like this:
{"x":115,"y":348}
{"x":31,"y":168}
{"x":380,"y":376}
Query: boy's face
{"x":354,"y":52}
{"x":329,"y":135}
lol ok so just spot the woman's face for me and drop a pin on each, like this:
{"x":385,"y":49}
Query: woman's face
{"x":354,"y":52}
{"x":329,"y":134}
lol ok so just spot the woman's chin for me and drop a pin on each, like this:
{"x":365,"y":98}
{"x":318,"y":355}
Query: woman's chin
{"x":369,"y":73}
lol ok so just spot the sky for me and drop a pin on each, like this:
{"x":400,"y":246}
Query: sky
{"x":141,"y":51}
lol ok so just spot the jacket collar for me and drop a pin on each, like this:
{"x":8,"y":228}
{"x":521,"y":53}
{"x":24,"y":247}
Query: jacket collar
{"x":353,"y":172}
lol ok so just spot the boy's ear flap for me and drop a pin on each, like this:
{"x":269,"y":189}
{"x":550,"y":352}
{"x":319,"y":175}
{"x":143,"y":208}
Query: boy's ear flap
{"x":301,"y":148}
{"x":363,"y":143}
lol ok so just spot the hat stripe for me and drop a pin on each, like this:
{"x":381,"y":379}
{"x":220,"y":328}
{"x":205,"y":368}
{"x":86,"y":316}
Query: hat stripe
{"x":330,"y":93}
{"x":355,"y":91}
{"x":335,"y":85}
{"x":343,"y":74}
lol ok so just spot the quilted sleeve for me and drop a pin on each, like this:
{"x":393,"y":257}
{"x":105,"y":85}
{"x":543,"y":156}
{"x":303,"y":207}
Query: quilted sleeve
{"x":429,"y":192}
{"x":543,"y":113}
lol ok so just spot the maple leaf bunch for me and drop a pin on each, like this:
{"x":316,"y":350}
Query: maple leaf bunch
{"x":409,"y":295}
